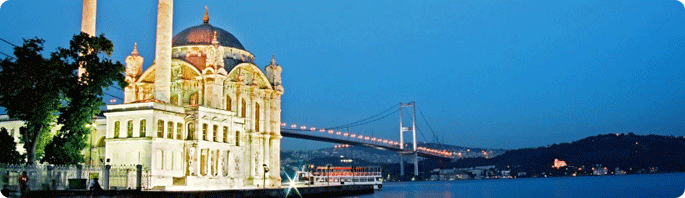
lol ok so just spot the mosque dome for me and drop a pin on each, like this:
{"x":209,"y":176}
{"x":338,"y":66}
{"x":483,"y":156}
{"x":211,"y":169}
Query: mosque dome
{"x":203,"y":35}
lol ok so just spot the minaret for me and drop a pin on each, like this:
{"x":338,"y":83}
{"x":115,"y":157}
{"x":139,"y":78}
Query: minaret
{"x":134,"y":68}
{"x":88,"y":19}
{"x":165,"y":12}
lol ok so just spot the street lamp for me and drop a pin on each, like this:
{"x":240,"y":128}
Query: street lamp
{"x":266,"y":170}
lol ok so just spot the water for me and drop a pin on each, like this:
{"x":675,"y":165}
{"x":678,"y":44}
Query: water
{"x":655,"y":185}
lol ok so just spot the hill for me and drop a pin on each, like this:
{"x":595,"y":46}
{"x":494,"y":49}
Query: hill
{"x":627,"y":152}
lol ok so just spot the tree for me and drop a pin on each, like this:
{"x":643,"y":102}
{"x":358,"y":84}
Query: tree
{"x":8,"y":148}
{"x":84,"y":97}
{"x":31,"y":91}
{"x":41,"y":91}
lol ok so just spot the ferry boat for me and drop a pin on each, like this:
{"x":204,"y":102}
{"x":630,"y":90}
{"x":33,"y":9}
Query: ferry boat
{"x":342,"y":175}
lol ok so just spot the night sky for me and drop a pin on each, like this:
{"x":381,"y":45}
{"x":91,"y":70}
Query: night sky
{"x":484,"y":73}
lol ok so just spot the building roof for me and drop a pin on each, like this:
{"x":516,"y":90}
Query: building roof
{"x":203,"y":35}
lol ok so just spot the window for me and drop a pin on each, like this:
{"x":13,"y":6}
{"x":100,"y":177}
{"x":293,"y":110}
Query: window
{"x":129,"y":129}
{"x":116,"y":129}
{"x":160,"y":128}
{"x":204,"y":131}
{"x":237,"y":138}
{"x":228,"y":103}
{"x":179,"y":131}
{"x":242,"y":108}
{"x":215,"y":130}
{"x":225,"y":134}
{"x":191,"y":131}
{"x":256,"y":117}
{"x":143,"y":127}
{"x":170,"y":130}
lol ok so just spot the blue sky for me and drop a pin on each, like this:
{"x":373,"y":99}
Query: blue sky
{"x":496,"y":74}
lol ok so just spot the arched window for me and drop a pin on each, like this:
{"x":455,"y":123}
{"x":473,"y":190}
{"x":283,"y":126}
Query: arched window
{"x":256,"y":117}
{"x":190,"y":131}
{"x":243,"y":107}
{"x":225,"y":134}
{"x":228,"y":103}
{"x":129,"y":129}
{"x":143,"y":127}
{"x":215,"y":130}
{"x":116,"y":129}
{"x":179,"y":131}
{"x":204,"y":131}
{"x":170,"y":130}
{"x":160,"y":128}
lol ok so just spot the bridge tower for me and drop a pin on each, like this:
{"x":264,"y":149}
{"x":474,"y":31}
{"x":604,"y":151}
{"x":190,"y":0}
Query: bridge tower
{"x":413,"y":154}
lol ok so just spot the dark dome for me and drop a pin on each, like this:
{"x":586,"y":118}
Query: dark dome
{"x":203,"y":34}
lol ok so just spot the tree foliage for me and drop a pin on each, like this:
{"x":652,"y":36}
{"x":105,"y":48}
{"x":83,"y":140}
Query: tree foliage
{"x":84,"y":96}
{"x":32,"y":89}
{"x":8,"y":148}
{"x":41,"y":91}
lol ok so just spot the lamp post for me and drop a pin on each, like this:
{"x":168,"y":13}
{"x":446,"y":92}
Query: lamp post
{"x":266,"y":170}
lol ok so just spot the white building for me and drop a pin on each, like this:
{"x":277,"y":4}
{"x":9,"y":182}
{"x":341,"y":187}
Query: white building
{"x":203,"y":116}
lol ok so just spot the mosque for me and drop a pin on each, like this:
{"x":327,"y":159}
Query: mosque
{"x":203,"y":116}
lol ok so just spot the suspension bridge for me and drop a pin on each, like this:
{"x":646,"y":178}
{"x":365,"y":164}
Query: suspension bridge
{"x":404,"y":149}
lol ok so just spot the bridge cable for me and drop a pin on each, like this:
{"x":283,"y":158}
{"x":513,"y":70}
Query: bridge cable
{"x":363,"y":120}
{"x":429,"y":126}
{"x":367,"y":122}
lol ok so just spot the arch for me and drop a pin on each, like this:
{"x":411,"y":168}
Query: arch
{"x":129,"y":129}
{"x":170,"y":130}
{"x":116,"y":129}
{"x":190,"y":131}
{"x":143,"y":128}
{"x":228,"y":103}
{"x":101,"y":142}
{"x":208,"y":71}
{"x":261,"y":79}
{"x":189,"y":71}
{"x":160,"y":128}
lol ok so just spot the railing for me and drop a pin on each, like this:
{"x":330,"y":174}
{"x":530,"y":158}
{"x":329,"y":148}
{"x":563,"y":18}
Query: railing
{"x":58,"y":177}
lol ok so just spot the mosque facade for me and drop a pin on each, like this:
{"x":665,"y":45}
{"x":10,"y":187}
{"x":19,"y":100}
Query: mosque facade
{"x":203,"y":116}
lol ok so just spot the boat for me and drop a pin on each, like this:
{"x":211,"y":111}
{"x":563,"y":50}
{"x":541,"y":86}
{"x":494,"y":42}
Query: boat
{"x":341,"y":175}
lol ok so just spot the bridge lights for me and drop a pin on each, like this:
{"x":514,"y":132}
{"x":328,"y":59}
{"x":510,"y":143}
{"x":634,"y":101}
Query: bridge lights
{"x":346,"y":134}
{"x":330,"y":131}
{"x":282,"y":124}
{"x":353,"y":135}
{"x":321,"y":130}
{"x":338,"y":133}
{"x":293,"y":126}
{"x":303,"y":127}
{"x":366,"y":138}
